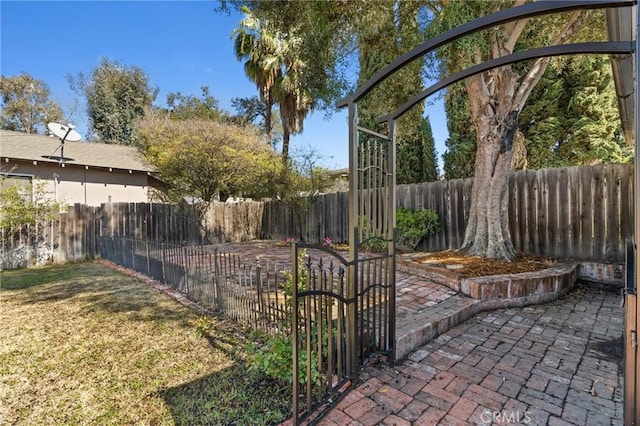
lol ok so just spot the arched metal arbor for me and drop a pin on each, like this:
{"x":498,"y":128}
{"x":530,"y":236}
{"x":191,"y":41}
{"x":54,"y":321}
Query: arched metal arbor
{"x":372,"y":185}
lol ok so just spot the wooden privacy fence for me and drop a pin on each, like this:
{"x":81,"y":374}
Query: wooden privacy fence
{"x":72,"y":236}
{"x":184,"y":223}
{"x":582,"y":213}
{"x":250,"y":293}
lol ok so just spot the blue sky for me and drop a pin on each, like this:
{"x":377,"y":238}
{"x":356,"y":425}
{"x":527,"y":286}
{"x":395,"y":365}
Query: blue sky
{"x":180,"y":45}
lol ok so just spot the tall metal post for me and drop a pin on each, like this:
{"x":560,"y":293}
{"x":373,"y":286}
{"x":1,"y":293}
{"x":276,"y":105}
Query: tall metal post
{"x":391,"y":250}
{"x":632,"y":353}
{"x":353,"y":236}
{"x":353,"y":179}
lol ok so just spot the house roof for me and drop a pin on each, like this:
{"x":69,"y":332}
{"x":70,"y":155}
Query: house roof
{"x":46,"y":149}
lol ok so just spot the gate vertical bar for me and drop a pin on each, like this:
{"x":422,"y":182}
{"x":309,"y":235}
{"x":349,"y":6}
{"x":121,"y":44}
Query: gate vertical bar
{"x":294,"y":332}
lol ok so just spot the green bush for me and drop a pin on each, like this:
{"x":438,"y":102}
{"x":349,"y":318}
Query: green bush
{"x":273,"y":356}
{"x":25,"y":205}
{"x":373,"y":241}
{"x":413,"y":226}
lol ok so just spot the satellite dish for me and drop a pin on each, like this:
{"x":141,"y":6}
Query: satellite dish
{"x":65,"y":133}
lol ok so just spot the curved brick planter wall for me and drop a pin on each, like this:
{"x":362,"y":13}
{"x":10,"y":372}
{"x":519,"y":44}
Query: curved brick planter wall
{"x":524,"y":288}
{"x":502,"y":291}
{"x":477,"y":294}
{"x":439,"y":275}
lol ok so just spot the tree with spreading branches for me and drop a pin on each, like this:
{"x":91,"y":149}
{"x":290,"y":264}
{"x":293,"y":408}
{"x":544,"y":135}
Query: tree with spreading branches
{"x":26,"y":104}
{"x":496,"y":98}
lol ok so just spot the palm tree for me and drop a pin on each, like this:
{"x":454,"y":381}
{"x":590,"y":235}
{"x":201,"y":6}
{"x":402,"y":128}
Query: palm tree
{"x":294,"y":100}
{"x":272,"y":62}
{"x":260,"y":50}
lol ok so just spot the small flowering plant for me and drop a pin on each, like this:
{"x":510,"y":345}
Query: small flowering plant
{"x":289,"y":241}
{"x":327,"y":242}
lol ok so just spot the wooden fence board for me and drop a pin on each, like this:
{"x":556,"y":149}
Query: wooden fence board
{"x":565,"y":212}
{"x":453,"y":207}
{"x":599,"y":216}
{"x":515,"y":213}
{"x":442,"y":201}
{"x":554,"y":210}
{"x":582,"y":249}
{"x":531,"y":194}
{"x":626,"y":203}
{"x":612,"y":247}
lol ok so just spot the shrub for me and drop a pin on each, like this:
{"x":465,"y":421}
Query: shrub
{"x":373,"y":241}
{"x":273,"y":356}
{"x":21,"y":206}
{"x":413,"y":226}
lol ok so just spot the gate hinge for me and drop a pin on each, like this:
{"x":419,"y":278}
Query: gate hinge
{"x":634,"y":338}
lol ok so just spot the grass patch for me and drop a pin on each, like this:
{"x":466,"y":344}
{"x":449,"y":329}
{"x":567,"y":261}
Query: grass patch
{"x":82,"y":344}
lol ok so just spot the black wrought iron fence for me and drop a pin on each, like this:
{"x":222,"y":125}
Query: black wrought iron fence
{"x":249,"y":292}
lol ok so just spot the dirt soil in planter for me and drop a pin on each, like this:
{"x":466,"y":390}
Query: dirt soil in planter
{"x":475,"y":266}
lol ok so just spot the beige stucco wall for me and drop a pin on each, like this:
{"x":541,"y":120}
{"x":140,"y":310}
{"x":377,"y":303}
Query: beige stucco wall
{"x":89,"y":186}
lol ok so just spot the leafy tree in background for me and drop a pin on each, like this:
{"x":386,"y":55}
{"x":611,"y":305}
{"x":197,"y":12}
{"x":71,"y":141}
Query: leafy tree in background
{"x":461,"y":143}
{"x":384,"y":33}
{"x":204,"y":159}
{"x":570,"y":119}
{"x":117,"y":95}
{"x":430,"y":170}
{"x":250,"y":110}
{"x":26,"y":104}
{"x":25,"y":204}
{"x":300,"y":183}
{"x":323,"y":40}
{"x":182,"y":107}
{"x":253,"y":111}
{"x":572,"y":116}
{"x":260,"y":50}
{"x":293,"y":44}
{"x":326,"y":37}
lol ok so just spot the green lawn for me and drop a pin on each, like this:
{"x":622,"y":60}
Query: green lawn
{"x":82,"y":344}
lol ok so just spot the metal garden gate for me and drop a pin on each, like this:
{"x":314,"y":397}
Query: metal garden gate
{"x":344,"y":309}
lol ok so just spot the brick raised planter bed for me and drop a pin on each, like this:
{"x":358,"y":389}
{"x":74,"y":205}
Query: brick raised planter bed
{"x":501,"y":291}
{"x":498,"y":291}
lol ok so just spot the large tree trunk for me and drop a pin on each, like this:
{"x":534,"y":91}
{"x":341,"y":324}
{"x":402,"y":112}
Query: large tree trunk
{"x":268,"y":114}
{"x":487,"y":233}
{"x":496,"y":98}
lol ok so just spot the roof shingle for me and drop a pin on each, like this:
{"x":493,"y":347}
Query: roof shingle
{"x":30,"y":147}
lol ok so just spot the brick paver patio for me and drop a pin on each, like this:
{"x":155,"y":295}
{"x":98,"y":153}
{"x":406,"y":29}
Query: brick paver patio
{"x":534,"y":365}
